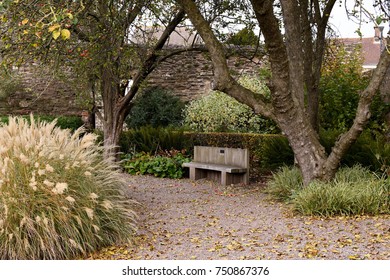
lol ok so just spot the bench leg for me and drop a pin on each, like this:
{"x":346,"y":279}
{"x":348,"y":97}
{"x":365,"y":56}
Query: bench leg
{"x":236,"y":179}
{"x":196,"y":173}
{"x":223,"y":178}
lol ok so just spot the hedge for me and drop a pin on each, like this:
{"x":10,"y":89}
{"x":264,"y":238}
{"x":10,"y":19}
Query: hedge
{"x":64,"y":122}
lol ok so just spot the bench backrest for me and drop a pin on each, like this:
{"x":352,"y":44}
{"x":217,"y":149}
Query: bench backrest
{"x":226,"y":156}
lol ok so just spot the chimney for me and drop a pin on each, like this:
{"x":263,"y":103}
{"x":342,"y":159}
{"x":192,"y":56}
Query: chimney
{"x":378,"y":33}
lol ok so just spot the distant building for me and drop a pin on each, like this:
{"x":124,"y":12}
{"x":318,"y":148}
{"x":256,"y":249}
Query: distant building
{"x":371,"y":50}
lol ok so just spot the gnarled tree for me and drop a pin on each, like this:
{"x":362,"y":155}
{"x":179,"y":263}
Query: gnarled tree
{"x":295,"y":47}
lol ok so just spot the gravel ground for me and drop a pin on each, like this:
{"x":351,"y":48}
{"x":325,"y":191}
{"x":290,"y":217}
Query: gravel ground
{"x":183,"y":219}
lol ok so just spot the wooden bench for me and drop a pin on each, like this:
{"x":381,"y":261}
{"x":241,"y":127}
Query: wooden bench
{"x":227,"y":165}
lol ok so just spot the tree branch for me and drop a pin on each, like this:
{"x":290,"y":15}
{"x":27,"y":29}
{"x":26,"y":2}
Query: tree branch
{"x":223,"y":81}
{"x":151,"y":59}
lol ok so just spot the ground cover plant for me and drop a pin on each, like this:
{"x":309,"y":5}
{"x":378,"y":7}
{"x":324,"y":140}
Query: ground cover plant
{"x":168,"y":165}
{"x":58,"y":197}
{"x":354,"y":191}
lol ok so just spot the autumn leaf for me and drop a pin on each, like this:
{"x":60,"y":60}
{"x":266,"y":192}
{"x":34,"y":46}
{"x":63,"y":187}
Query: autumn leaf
{"x":56,"y":34}
{"x":25,"y":21}
{"x":65,"y":34}
{"x":54,"y":27}
{"x":69,"y":15}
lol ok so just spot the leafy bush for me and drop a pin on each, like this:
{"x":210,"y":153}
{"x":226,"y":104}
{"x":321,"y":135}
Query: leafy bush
{"x":370,"y":149}
{"x":341,"y":82}
{"x":218,"y":112}
{"x":156,"y":107}
{"x":58,"y":197}
{"x":159,"y":166}
{"x":354,"y":191}
{"x":244,"y":37}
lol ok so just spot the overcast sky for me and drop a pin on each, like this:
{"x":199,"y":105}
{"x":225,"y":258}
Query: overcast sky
{"x":347,"y":28}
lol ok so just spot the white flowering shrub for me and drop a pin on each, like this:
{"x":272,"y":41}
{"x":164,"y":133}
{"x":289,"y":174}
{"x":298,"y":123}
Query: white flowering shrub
{"x":217,"y":111}
{"x":59,"y":198}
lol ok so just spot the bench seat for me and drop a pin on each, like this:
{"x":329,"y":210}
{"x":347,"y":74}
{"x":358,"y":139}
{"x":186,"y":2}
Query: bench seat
{"x":216,"y":167}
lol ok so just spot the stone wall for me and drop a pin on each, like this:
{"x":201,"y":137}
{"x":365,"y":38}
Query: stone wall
{"x":187,"y":74}
{"x":190,"y":74}
{"x":41,"y":92}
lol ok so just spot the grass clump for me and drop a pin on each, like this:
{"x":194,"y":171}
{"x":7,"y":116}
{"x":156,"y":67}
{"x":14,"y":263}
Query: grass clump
{"x":286,"y":182}
{"x":354,"y":191}
{"x":58,"y":197}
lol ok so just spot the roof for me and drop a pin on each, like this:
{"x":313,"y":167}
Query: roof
{"x":371,"y":49}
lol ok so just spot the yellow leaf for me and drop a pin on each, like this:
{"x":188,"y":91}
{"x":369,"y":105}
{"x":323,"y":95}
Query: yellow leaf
{"x":54,"y":27}
{"x":69,"y":15}
{"x":25,"y":21}
{"x":56,"y":34}
{"x":65,"y":34}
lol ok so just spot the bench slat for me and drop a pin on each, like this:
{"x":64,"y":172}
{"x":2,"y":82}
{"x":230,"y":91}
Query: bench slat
{"x":216,"y":167}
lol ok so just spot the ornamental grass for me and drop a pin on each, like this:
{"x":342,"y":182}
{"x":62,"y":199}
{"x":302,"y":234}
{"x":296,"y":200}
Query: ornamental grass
{"x":59,"y":199}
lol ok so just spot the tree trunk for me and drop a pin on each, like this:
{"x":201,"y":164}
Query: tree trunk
{"x":113,"y":118}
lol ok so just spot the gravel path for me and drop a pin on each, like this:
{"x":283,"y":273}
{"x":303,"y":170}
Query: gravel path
{"x":182,"y":219}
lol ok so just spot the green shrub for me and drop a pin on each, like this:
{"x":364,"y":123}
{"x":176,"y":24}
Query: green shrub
{"x":369,"y":150}
{"x":156,"y":107}
{"x":58,"y":197}
{"x":218,"y":112}
{"x":244,"y":37}
{"x":341,"y":82}
{"x":159,"y":166}
{"x":354,"y":191}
